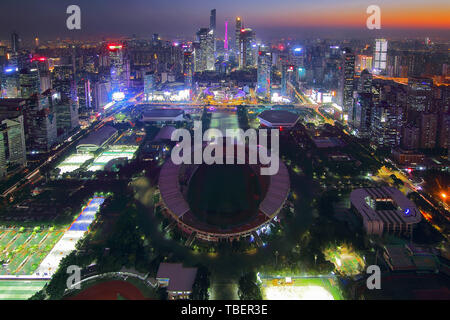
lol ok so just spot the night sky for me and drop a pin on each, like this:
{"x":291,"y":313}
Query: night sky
{"x":181,"y":18}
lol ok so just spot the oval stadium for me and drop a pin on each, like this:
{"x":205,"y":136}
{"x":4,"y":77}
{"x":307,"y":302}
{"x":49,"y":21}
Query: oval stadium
{"x":222,"y":202}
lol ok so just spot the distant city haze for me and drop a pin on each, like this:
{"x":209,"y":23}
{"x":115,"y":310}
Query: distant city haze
{"x":181,"y":18}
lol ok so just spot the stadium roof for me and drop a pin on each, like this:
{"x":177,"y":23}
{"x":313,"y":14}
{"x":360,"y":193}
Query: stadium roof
{"x":99,"y":137}
{"x":180,"y":278}
{"x":277,"y":193}
{"x":170,"y":191}
{"x":278,"y":118}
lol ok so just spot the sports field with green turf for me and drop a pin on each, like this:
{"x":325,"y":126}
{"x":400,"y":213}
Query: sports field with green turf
{"x":21,"y":252}
{"x":19,"y":289}
{"x":345,"y":259}
{"x":301,"y":288}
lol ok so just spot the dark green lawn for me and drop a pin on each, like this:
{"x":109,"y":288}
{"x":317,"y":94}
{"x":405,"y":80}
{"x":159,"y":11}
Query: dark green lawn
{"x":224,"y":195}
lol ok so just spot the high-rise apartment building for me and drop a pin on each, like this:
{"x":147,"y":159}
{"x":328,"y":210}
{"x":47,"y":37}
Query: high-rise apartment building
{"x":380,"y":56}
{"x":264,"y":74}
{"x":428,"y":130}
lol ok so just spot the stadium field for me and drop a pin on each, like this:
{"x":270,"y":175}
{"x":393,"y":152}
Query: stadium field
{"x":312,"y":288}
{"x":19,"y":289}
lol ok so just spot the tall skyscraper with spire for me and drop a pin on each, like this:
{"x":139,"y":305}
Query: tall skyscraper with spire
{"x":237,"y":35}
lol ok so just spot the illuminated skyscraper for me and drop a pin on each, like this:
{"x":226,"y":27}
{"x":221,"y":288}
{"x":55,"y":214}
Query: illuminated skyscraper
{"x":380,"y":56}
{"x":420,"y":96}
{"x":386,"y":125}
{"x":29,"y":80}
{"x":149,"y":84}
{"x":237,"y":34}
{"x":119,"y":68}
{"x":246,"y":43}
{"x":347,"y":81}
{"x":264,"y":74}
{"x":205,"y":54}
{"x":12,"y":143}
{"x":188,"y":65}
{"x":10,"y":83}
{"x":212,"y":26}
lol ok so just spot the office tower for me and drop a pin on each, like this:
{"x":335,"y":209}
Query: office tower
{"x":205,"y":51}
{"x":67,"y":118}
{"x":10,"y":83}
{"x":246,"y":43}
{"x":63,"y":81}
{"x":42,"y":64}
{"x":100,"y":96}
{"x":12,"y":144}
{"x":410,"y":137}
{"x":361,"y":116}
{"x":365,"y":82}
{"x":40,"y":123}
{"x":386,"y":125}
{"x":15,"y":42}
{"x":212,"y":26}
{"x":84,"y":95}
{"x":237,"y":34}
{"x":149,"y":84}
{"x":264,"y":74}
{"x":420,"y":95}
{"x":188,"y":65}
{"x":428,"y":130}
{"x":380,"y":56}
{"x":117,"y":69}
{"x":347,"y":81}
{"x":30,"y":82}
{"x":287,"y":74}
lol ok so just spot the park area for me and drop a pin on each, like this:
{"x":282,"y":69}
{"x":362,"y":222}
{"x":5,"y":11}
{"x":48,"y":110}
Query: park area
{"x":301,"y":288}
{"x":345,"y":259}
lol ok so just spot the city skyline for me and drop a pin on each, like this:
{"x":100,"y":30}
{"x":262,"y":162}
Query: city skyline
{"x":291,"y":19}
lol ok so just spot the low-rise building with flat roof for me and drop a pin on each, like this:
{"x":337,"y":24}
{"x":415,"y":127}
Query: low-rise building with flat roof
{"x":97,"y":139}
{"x":177,"y":279}
{"x":163,"y":115}
{"x":385,"y":210}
